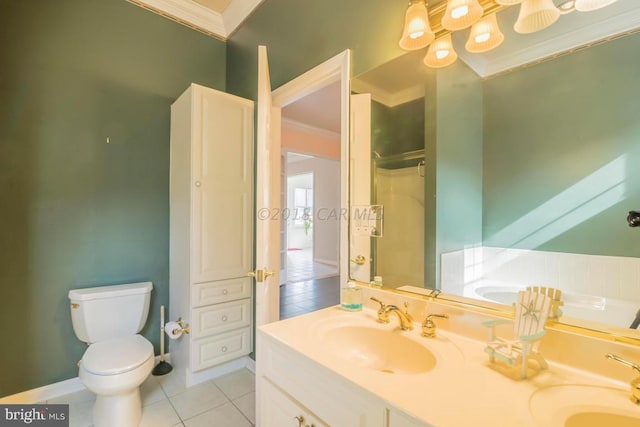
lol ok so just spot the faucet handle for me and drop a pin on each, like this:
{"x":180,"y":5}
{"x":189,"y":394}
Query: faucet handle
{"x":406,"y":311}
{"x":622,"y":361}
{"x":635,"y":384}
{"x":429,"y":327}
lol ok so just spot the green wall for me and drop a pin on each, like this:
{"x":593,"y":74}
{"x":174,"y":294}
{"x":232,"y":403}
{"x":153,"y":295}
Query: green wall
{"x":399,"y":129}
{"x":548,"y":129}
{"x":76,"y":211}
{"x":458,"y":160}
{"x":302,"y":34}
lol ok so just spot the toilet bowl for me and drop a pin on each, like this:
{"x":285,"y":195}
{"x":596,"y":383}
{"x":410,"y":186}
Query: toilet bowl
{"x":114,"y":370}
{"x":118,"y":360}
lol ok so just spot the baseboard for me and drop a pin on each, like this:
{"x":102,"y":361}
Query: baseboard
{"x":219,"y":370}
{"x":326,"y":262}
{"x":52,"y":391}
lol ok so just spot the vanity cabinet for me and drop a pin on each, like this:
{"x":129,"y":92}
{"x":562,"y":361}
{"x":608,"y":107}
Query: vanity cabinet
{"x":290,"y":385}
{"x":283,"y":410}
{"x":399,"y":419}
{"x":211,"y":228}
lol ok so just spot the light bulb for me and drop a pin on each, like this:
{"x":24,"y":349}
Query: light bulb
{"x":459,"y":12}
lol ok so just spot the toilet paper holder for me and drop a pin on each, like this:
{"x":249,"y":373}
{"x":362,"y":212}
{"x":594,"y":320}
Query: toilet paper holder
{"x":183,"y":329}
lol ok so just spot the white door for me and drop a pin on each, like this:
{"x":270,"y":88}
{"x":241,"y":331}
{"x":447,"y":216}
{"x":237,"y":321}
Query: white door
{"x":267,"y":199}
{"x":360,"y":185}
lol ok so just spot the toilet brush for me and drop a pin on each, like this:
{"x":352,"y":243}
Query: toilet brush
{"x":163,"y":367}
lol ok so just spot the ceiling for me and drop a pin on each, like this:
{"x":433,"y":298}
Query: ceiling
{"x":319,"y":109}
{"x":218,"y":18}
{"x":572,"y":31}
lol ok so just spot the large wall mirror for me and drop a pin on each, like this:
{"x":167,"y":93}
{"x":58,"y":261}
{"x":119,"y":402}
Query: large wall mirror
{"x":509,"y":169}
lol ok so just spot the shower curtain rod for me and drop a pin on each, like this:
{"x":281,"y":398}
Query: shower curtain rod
{"x":409,"y":155}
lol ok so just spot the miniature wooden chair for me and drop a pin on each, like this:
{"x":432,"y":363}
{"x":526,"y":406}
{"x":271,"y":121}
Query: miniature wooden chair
{"x":531,"y":312}
{"x":556,"y":300}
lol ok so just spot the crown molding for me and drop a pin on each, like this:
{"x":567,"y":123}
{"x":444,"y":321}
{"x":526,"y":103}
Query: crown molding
{"x":188,"y":13}
{"x":201,"y":18}
{"x":390,"y":99}
{"x":236,"y":13}
{"x":625,"y":21}
{"x":303,"y":127}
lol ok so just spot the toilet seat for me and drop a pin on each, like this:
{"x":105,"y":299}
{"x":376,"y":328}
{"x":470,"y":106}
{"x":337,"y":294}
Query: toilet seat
{"x":117,"y":355}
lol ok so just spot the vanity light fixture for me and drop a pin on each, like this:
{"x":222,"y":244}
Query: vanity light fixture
{"x":417,"y":30}
{"x":485,"y":35}
{"x":461,"y":14}
{"x":589,"y":5}
{"x":441,"y":53}
{"x":536,"y":15}
{"x":423,"y":26}
{"x":567,"y":7}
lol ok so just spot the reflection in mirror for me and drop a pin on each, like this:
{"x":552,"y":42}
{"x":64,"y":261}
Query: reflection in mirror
{"x":532,"y":167}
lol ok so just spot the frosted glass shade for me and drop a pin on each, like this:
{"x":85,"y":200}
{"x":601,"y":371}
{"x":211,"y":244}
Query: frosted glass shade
{"x":536,"y":15}
{"x":485,"y":35}
{"x":461,"y":14}
{"x":441,"y":53}
{"x":508,"y":2}
{"x":589,"y":5}
{"x":417,"y":31}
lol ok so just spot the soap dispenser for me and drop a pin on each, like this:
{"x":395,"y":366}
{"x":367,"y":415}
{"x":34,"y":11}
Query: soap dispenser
{"x":351,"y":297}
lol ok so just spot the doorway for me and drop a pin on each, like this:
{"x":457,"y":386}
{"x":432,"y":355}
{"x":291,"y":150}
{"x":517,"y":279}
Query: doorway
{"x":271,"y":244}
{"x":310,"y":146}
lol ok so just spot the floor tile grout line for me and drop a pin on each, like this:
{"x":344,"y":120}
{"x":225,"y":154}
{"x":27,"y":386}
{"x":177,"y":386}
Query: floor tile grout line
{"x":242,"y":413}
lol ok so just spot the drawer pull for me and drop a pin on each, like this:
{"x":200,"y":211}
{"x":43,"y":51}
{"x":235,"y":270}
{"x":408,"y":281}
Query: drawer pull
{"x":225,"y":291}
{"x":224,"y":318}
{"x":224,"y":349}
{"x":299,"y":419}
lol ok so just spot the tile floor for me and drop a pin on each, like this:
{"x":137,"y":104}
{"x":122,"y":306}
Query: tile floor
{"x":300,"y":267}
{"x":227,"y":401}
{"x":310,"y":295}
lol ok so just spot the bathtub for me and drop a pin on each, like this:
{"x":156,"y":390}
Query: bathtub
{"x":580,"y":306}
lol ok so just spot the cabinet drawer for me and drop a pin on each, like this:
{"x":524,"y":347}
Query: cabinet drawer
{"x":211,"y":351}
{"x":220,"y":291}
{"x":217,"y":318}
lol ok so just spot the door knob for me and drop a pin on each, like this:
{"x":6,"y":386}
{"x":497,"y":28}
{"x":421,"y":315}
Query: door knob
{"x":360,"y":260}
{"x":260,"y":275}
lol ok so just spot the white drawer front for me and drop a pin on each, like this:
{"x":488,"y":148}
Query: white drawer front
{"x":220,"y":291}
{"x":211,"y":351}
{"x":218,"y":318}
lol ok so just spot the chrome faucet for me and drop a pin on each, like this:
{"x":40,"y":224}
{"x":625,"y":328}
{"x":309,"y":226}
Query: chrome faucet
{"x":406,"y":321}
{"x":635,"y":384}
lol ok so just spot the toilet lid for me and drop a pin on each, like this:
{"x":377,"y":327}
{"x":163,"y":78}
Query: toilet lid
{"x":117,"y":355}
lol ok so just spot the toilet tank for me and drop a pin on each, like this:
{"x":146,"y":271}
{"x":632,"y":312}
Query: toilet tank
{"x":106,"y":312}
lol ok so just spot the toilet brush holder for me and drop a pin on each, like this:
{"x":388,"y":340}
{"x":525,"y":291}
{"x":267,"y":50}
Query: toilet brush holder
{"x":163,"y":367}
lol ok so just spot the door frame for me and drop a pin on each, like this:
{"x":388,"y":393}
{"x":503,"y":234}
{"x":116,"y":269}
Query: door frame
{"x":332,"y":70}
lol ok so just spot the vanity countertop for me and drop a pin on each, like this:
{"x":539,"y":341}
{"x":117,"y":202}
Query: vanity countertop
{"x":462,"y":389}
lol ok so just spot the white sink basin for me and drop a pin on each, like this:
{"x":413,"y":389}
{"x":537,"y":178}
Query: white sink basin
{"x":576,"y":405}
{"x":380,"y":350}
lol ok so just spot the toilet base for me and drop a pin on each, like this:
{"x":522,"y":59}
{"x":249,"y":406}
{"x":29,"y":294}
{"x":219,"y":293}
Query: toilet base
{"x":124,"y":410}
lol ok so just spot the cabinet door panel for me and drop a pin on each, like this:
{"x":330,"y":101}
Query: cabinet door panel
{"x":399,"y":419}
{"x":280,"y":410}
{"x":222,"y":168}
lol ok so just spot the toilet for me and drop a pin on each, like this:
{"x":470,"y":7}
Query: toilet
{"x":118,"y":360}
